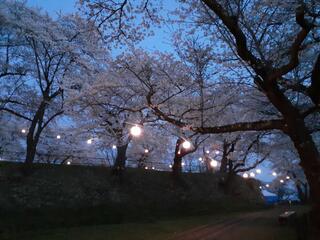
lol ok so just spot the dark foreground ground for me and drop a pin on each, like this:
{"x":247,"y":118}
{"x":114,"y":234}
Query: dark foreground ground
{"x":52,"y":202}
{"x":259,"y":225}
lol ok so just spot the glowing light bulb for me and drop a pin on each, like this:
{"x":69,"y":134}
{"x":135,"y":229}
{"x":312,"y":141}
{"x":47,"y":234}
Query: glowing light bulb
{"x":258,"y":171}
{"x":267,"y":185}
{"x":274,"y":174}
{"x":58,"y":137}
{"x":186,"y":144}
{"x":245,"y":175}
{"x":183,"y":164}
{"x":213,"y":163}
{"x":89,"y":141}
{"x":281,"y":181}
{"x":152,"y":168}
{"x":252,"y":174}
{"x":170,"y":166}
{"x":114,"y":146}
{"x":200,"y":159}
{"x":23,"y":130}
{"x":146,"y":168}
{"x":217,"y":151}
{"x":287,"y":177}
{"x":207,"y":151}
{"x":68,"y":163}
{"x":146,"y":150}
{"x":136,"y":131}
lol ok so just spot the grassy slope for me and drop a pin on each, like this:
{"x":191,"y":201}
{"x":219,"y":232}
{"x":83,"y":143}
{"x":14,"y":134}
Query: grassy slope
{"x":55,"y":196}
{"x":141,"y":231}
{"x":264,"y":227}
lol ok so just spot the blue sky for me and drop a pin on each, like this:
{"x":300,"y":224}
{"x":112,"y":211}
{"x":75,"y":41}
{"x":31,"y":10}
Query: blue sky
{"x":54,"y":6}
{"x":160,"y":41}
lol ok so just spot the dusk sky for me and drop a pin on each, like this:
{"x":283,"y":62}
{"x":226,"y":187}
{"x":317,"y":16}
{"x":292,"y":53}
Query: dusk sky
{"x":53,"y":7}
{"x":160,"y":41}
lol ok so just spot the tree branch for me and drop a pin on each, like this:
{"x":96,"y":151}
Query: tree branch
{"x":231,"y":23}
{"x":51,"y":118}
{"x":252,"y":166}
{"x":296,"y":45}
{"x":314,"y":89}
{"x":275,"y":124}
{"x":242,"y":126}
{"x":15,"y":113}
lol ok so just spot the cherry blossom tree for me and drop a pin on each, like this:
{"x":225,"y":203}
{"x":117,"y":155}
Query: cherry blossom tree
{"x":47,"y":54}
{"x":121,"y":21}
{"x":285,"y":163}
{"x":11,"y":138}
{"x":153,"y":148}
{"x":67,"y":145}
{"x":114,"y":103}
{"x":271,"y":46}
{"x":242,"y":153}
{"x":281,"y":69}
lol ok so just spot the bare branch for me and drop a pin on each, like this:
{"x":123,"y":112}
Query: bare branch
{"x":314,"y":89}
{"x":296,"y":45}
{"x":15,"y":113}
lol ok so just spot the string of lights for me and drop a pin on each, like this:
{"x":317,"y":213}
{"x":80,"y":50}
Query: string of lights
{"x":135,"y":131}
{"x":92,"y":160}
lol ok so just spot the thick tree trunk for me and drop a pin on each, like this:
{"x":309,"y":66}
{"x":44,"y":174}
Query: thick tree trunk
{"x":310,"y":162}
{"x":34,"y":132}
{"x":298,"y":132}
{"x":177,"y":165}
{"x":306,"y":191}
{"x":31,"y":149}
{"x":302,"y":192}
{"x":120,"y":162}
{"x":300,"y":135}
{"x":177,"y":160}
{"x":229,"y":179}
{"x":224,"y":164}
{"x":207,"y":162}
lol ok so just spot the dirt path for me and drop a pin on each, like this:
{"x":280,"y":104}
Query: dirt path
{"x":252,"y":226}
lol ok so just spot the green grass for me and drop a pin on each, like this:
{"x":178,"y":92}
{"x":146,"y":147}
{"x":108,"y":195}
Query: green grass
{"x":135,"y":231}
{"x":75,"y":202}
{"x":262,"y":227}
{"x":88,"y":219}
{"x":81,"y":195}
